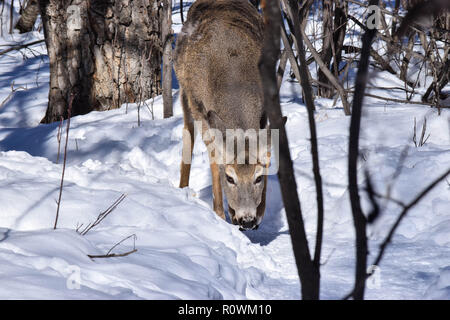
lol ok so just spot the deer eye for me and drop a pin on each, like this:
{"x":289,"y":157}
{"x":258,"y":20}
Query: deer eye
{"x":258,"y":180}
{"x":230,"y":179}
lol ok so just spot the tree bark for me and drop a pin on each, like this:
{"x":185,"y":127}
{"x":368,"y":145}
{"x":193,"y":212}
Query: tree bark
{"x":28,"y":17}
{"x":11,"y":16}
{"x":105,"y":52}
{"x":326,"y":91}
{"x":167,"y":36}
{"x":340,"y":28}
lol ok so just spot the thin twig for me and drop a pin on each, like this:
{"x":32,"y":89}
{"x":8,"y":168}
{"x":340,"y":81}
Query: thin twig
{"x":69,"y":111}
{"x":396,"y":100}
{"x":102,"y":216}
{"x":134,"y":243}
{"x":394,"y":227}
{"x":13,"y":91}
{"x":58,"y":138}
{"x":396,"y":201}
{"x":405,"y":211}
{"x":112,"y":255}
{"x":328,"y":73}
{"x":20,"y":46}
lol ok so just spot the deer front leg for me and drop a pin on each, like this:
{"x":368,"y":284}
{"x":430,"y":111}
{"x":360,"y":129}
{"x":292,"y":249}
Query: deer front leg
{"x":216,"y":186}
{"x":217,"y":191}
{"x":262,"y":206}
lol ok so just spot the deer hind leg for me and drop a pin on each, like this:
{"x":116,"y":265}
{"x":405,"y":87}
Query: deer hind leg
{"x":188,"y":142}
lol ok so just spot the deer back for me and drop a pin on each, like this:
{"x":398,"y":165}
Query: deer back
{"x":216,"y":62}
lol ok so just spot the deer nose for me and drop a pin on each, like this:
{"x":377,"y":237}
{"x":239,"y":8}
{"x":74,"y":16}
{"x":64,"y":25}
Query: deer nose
{"x":247,"y":222}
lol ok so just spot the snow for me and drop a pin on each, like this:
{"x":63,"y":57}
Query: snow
{"x":184,"y":251}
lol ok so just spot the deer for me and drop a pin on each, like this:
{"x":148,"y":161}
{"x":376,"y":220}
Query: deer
{"x":216,"y":63}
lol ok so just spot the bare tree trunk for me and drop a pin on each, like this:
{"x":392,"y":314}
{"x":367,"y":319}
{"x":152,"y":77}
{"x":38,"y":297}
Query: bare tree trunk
{"x":359,"y":219}
{"x":11,"y":16}
{"x":28,"y":16}
{"x":181,"y":12}
{"x":326,"y":90}
{"x":1,"y":17}
{"x":307,"y":92}
{"x":282,"y":67}
{"x":394,"y":18}
{"x":340,"y":27}
{"x":167,"y":36}
{"x":104,"y":52}
{"x":267,"y":65}
{"x":407,"y":59}
{"x":443,"y":78}
{"x":333,"y":30}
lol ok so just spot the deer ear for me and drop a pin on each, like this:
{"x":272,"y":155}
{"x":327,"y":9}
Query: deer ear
{"x":215,"y":121}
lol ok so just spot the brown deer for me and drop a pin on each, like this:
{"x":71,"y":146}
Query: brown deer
{"x":216,"y":62}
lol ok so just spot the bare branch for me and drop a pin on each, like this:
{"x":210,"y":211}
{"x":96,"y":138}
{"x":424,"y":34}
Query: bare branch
{"x":69,"y":111}
{"x":134,"y":243}
{"x":328,"y":73}
{"x":102,"y":216}
{"x":388,"y":239}
{"x":395,"y":100}
{"x":112,"y":255}
{"x":20,"y":46}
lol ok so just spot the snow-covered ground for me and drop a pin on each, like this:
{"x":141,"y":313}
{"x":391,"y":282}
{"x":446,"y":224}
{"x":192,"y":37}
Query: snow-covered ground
{"x":184,"y":250}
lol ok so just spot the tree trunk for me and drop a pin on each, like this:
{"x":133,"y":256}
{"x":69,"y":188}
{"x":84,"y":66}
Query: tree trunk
{"x":167,"y":36}
{"x":11,"y":17}
{"x":326,"y":90}
{"x":340,"y":28}
{"x":308,"y":274}
{"x":28,"y":17}
{"x":105,"y":52}
{"x":181,"y":11}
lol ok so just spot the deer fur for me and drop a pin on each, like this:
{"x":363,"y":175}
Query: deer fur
{"x":216,"y":62}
